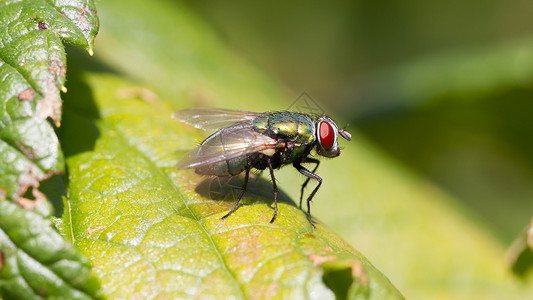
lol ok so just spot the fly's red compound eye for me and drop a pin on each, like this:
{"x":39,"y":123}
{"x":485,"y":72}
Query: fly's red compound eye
{"x":326,"y":134}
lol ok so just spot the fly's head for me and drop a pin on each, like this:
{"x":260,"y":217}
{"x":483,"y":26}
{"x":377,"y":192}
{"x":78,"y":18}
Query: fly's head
{"x":326,"y":134}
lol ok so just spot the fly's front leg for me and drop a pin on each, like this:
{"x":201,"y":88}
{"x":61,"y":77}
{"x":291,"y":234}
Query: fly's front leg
{"x":243,"y":190}
{"x":307,"y":160}
{"x":310,"y":175}
{"x":275,"y":187}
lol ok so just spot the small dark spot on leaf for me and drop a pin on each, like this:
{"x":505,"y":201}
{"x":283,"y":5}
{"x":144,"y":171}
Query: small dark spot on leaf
{"x":26,"y":95}
{"x":42,"y":25}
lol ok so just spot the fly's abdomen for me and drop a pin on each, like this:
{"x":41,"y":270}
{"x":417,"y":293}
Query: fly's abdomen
{"x":224,"y":166}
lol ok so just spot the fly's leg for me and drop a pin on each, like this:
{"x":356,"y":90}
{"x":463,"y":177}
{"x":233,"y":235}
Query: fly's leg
{"x":309,"y":175}
{"x":308,"y":160}
{"x":243,"y":190}
{"x":275,"y":187}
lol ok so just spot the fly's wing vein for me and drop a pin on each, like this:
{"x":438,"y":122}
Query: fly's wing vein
{"x":226,"y":144}
{"x":214,"y":118}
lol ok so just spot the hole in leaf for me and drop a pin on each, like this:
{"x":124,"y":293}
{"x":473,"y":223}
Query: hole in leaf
{"x":31,"y":199}
{"x":523,"y":263}
{"x":54,"y":189}
{"x":338,"y":281}
{"x":29,"y":194}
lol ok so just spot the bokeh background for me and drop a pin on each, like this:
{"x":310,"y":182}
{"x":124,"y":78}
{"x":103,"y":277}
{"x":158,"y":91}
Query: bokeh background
{"x":437,"y":183}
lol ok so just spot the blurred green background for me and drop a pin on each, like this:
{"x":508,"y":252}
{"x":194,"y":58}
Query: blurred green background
{"x":445,"y":87}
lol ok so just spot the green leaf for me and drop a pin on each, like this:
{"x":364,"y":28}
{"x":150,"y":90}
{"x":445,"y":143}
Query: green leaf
{"x":153,"y":231}
{"x":33,"y":67}
{"x":36,"y":262}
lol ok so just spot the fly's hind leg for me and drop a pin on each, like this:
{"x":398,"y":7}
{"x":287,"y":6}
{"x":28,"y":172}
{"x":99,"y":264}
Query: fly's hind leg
{"x":310,"y":175}
{"x":275,"y":187}
{"x":307,"y":160}
{"x":243,"y":190}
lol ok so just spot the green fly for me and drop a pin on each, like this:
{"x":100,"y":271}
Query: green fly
{"x":248,"y":140}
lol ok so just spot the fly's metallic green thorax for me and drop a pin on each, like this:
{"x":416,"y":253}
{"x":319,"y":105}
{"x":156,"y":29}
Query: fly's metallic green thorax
{"x":247,"y":140}
{"x":296,"y":129}
{"x":296,"y":126}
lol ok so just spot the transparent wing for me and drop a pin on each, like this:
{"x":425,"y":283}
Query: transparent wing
{"x":213,"y":118}
{"x":229,"y":143}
